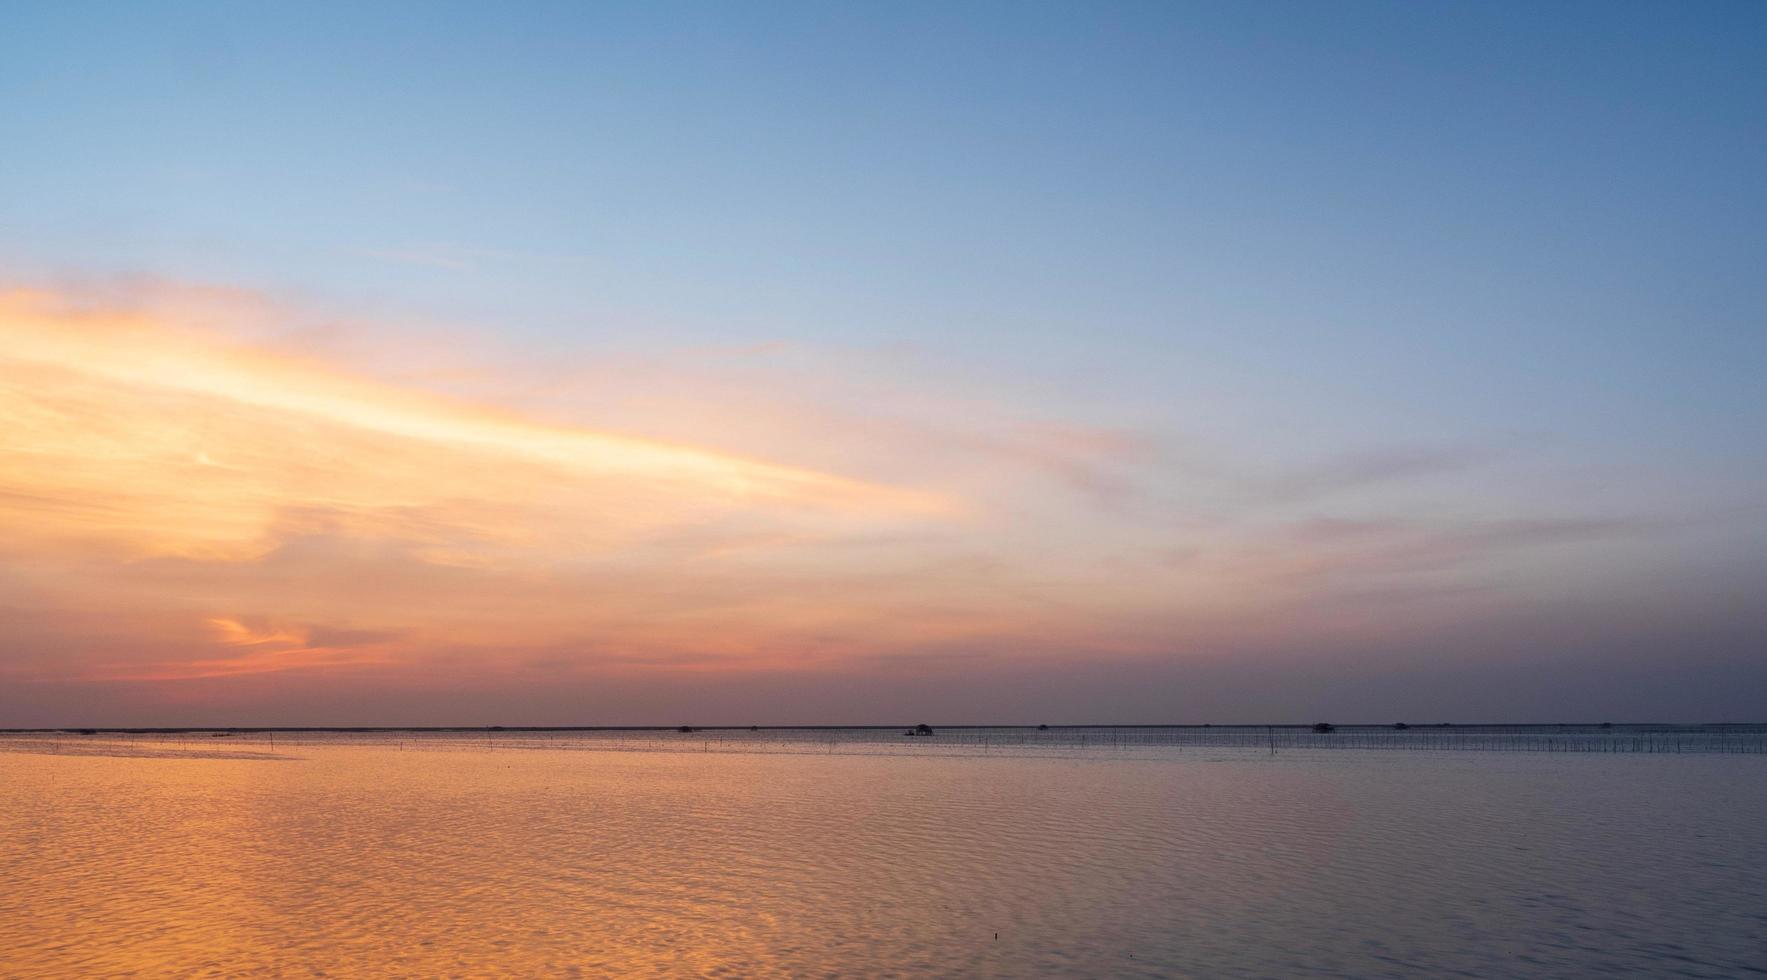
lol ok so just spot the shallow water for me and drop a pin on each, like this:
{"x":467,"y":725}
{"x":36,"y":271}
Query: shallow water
{"x":458,"y":855}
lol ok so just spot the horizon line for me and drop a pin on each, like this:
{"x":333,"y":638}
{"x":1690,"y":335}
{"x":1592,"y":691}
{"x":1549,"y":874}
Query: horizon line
{"x":174,"y":729}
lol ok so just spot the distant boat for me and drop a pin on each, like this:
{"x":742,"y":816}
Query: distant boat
{"x":919,"y":730}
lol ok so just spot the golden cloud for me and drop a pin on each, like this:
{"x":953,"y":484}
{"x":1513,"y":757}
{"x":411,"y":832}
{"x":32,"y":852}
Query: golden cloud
{"x":122,"y":429}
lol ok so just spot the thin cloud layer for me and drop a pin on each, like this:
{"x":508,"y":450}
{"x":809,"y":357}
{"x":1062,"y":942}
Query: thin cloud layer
{"x":199,"y":515}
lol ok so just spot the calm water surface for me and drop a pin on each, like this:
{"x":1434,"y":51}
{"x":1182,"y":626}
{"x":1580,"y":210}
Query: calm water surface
{"x":457,"y":857}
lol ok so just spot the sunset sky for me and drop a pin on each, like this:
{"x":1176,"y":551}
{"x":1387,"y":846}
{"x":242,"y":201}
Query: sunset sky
{"x":809,"y":363}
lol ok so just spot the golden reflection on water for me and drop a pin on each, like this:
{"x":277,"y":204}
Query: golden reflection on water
{"x":349,"y":860}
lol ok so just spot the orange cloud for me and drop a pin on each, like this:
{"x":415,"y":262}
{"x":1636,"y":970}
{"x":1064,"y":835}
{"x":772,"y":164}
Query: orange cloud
{"x":181,"y":501}
{"x":236,"y":634}
{"x":120,"y":428}
{"x":157,"y":468}
{"x":262,"y":651}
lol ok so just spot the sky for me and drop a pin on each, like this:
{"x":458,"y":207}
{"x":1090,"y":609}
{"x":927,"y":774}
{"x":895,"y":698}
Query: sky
{"x":875,"y":363}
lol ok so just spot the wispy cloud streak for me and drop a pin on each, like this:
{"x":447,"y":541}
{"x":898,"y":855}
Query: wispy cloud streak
{"x":238,"y":508}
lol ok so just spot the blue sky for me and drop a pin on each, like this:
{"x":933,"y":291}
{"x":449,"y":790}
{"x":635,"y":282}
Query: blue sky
{"x":1383,"y":191}
{"x":1507,"y":251}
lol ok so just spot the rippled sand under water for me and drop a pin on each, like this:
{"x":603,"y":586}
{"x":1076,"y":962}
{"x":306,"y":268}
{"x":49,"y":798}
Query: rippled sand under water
{"x":344,"y":859}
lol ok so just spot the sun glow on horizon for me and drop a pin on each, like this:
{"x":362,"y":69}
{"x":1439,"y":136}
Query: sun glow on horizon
{"x":131,"y":441}
{"x":207,"y":512}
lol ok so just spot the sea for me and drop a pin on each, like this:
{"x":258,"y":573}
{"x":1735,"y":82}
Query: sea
{"x":1251,"y":851}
